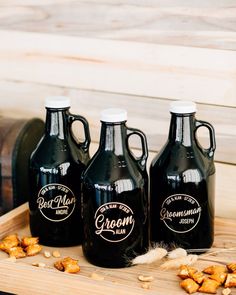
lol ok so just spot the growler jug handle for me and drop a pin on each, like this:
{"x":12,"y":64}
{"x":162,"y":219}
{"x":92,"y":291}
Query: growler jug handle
{"x":210,"y":151}
{"x":85,"y":144}
{"x":143,"y":158}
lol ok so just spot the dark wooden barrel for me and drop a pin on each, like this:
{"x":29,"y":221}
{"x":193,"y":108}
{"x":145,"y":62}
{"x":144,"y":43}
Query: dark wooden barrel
{"x":18,"y":138}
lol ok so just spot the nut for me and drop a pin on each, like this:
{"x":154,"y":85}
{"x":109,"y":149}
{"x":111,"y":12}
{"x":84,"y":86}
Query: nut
{"x":47,"y":254}
{"x":145,"y":278}
{"x":226,"y":291}
{"x":56,"y":254}
{"x":39,"y":264}
{"x":35,"y":263}
{"x":146,"y":285}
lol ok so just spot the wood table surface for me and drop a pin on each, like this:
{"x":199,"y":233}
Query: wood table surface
{"x":21,"y":277}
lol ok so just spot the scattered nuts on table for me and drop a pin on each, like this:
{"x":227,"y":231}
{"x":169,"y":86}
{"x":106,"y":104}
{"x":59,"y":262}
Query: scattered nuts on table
{"x":145,"y":278}
{"x":35,"y":263}
{"x":146,"y":285}
{"x":226,"y":291}
{"x":47,"y":254}
{"x":56,"y":254}
{"x":146,"y":281}
{"x":41,"y":264}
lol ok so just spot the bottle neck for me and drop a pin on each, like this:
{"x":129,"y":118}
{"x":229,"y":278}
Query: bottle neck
{"x":113,"y":137}
{"x":182,"y":128}
{"x":56,"y":122}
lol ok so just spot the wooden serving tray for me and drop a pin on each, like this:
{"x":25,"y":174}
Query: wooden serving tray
{"x":21,"y":277}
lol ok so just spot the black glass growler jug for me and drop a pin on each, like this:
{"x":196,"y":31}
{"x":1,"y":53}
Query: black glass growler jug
{"x":56,"y":166}
{"x":182,"y":184}
{"x":115,"y":196}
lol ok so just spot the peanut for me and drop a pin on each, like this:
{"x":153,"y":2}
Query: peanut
{"x":47,"y":254}
{"x":145,"y":278}
{"x":226,"y":291}
{"x":146,"y":285}
{"x":56,"y":254}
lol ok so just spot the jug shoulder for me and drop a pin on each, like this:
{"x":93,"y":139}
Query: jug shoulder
{"x":175,"y":159}
{"x":106,"y":167}
{"x":52,"y":153}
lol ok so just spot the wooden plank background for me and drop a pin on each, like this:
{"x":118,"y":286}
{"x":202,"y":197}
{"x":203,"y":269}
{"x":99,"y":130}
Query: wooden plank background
{"x":139,"y":55}
{"x":171,"y":72}
{"x":209,"y":24}
{"x":147,"y":113}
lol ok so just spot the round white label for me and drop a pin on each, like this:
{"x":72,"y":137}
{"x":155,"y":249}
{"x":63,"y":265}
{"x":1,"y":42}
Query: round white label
{"x":56,"y":202}
{"x":114,"y":221}
{"x":180,"y":213}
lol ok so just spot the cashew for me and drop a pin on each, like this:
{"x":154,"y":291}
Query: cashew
{"x":47,"y":254}
{"x":145,"y":278}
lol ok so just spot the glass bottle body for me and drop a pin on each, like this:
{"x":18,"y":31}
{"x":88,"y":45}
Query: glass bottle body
{"x":55,"y":177}
{"x":115,"y":202}
{"x":182,"y":182}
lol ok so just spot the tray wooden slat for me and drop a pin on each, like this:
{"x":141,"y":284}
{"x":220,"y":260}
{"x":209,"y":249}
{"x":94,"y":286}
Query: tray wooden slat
{"x":21,"y":277}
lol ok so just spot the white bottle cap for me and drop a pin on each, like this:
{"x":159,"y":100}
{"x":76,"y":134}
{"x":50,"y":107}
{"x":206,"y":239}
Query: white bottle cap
{"x":113,"y":115}
{"x":56,"y":102}
{"x":183,"y":107}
